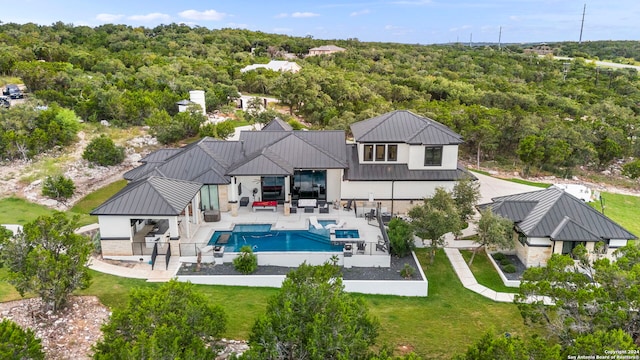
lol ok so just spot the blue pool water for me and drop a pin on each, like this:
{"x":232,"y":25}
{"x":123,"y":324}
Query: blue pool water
{"x":347,"y":234}
{"x":261,"y":238}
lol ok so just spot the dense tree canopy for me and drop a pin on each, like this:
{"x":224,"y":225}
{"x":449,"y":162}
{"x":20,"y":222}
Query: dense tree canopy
{"x":509,"y":105}
{"x":173,"y":321}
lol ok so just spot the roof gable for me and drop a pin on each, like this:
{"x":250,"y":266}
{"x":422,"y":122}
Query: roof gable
{"x":277,"y":124}
{"x":403,"y":126}
{"x":557,"y":213}
{"x":150,"y":196}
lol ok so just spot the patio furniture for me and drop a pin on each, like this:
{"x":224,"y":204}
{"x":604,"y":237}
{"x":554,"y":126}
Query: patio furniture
{"x":309,"y":209}
{"x":323,"y":207}
{"x":265,"y":205}
{"x":307,"y":203}
{"x":293,"y":210}
{"x":340,"y":224}
{"x":212,"y":215}
{"x":370,"y":215}
{"x":244,"y":201}
{"x":348,"y":250}
{"x":361,"y":248}
{"x":348,"y":205}
{"x":314,"y":222}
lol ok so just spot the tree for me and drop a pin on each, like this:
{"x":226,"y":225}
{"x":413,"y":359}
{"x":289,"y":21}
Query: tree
{"x":16,"y":343}
{"x":312,"y":317}
{"x":601,"y":342}
{"x":103,"y":151}
{"x":507,"y":347}
{"x":401,"y":237}
{"x":434,"y":218}
{"x":494,"y":231}
{"x":173,"y":321}
{"x":58,"y":187}
{"x":632,"y":169}
{"x":583,"y":297}
{"x":531,"y":152}
{"x":48,"y":258}
{"x":225,"y":129}
{"x":466,"y":193}
{"x":246,"y":262}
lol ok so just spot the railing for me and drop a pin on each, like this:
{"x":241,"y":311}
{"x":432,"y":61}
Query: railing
{"x":168,"y":256}
{"x":383,"y":229}
{"x":154,"y":255}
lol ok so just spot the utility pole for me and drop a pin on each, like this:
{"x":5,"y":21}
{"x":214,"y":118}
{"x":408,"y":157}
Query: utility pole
{"x":584,"y":9}
{"x":500,"y":38}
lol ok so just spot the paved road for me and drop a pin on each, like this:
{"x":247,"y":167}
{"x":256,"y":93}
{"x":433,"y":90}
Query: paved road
{"x":491,"y":187}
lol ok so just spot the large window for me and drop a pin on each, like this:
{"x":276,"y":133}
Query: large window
{"x":273,"y":188}
{"x":433,"y":156}
{"x":368,"y":153}
{"x":209,"y":197}
{"x":380,"y":152}
{"x":392,"y":152}
{"x":309,"y":184}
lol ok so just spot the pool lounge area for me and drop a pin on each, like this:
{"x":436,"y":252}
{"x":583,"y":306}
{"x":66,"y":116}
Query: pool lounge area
{"x":272,"y":233}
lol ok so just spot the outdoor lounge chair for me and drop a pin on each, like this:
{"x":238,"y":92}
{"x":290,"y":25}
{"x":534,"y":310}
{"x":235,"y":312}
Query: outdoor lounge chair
{"x":348,"y":205}
{"x":340,"y":224}
{"x":370,"y":215}
{"x":323,"y":207}
{"x":314,"y":222}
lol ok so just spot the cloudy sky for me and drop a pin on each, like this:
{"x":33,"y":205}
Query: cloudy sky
{"x":405,"y":21}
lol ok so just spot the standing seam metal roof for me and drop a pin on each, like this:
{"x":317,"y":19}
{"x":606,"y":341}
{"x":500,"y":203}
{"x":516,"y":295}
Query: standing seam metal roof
{"x":150,"y":196}
{"x":403,"y":126}
{"x":558,"y":213}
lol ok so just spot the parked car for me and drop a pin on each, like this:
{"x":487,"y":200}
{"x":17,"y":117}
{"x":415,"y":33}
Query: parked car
{"x":13,"y":91}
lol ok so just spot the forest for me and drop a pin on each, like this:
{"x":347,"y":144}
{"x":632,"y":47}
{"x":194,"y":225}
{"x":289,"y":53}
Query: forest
{"x":510,"y":106}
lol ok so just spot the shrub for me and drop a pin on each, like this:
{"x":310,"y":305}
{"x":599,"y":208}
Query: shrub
{"x":16,"y":343}
{"x":509,"y":268}
{"x":103,"y":151}
{"x":505,"y":262}
{"x":58,"y":187}
{"x":407,"y":271}
{"x":499,"y":256}
{"x":247,"y":261}
{"x":400,"y":237}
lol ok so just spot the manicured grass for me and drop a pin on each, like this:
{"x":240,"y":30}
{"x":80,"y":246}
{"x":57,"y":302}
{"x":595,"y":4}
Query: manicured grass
{"x":14,"y":210}
{"x":438,"y":326}
{"x":485,"y":273}
{"x":7,"y":291}
{"x":623,"y":209}
{"x":530,"y":183}
{"x":96,"y":198}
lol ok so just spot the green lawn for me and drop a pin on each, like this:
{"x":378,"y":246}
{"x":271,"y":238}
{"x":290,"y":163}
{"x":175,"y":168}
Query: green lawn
{"x":623,"y":209}
{"x":485,"y":273}
{"x":14,"y":210}
{"x":93,"y":200}
{"x":438,"y":326}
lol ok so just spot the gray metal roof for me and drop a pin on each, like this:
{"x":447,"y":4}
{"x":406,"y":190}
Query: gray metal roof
{"x":402,"y":126}
{"x":150,"y":196}
{"x":397,"y":172}
{"x":277,"y":124}
{"x":558,"y":215}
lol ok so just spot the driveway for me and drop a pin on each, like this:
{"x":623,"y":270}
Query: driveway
{"x":491,"y":187}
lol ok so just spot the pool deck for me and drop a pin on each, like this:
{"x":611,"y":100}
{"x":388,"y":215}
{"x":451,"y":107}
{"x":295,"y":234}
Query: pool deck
{"x":278,"y":220}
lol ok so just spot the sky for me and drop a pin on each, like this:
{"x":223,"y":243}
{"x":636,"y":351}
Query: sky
{"x":403,"y":21}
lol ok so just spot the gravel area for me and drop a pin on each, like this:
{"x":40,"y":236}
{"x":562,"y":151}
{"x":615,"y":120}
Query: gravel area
{"x":520,"y":268}
{"x":354,"y":273}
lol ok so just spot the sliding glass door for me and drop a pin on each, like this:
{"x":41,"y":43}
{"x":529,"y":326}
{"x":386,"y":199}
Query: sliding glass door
{"x":273,"y":188}
{"x":309,"y":184}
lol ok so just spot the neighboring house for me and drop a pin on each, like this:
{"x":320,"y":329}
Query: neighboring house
{"x":552,"y":221}
{"x":274,"y":65}
{"x":325,"y":50}
{"x":399,"y":158}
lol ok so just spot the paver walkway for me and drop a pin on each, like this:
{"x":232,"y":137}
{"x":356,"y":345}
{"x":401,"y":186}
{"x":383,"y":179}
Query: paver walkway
{"x":469,"y":281}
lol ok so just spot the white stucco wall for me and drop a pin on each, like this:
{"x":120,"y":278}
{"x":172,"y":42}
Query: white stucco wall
{"x":449,"y":158}
{"x":334,"y":184}
{"x":115,"y":226}
{"x":616,"y":243}
{"x":382,"y":190}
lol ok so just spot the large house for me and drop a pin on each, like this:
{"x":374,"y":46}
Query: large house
{"x":397,"y":159}
{"x":552,"y":221}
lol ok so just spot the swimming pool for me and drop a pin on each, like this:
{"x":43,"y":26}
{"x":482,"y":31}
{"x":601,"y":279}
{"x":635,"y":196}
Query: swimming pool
{"x":262,"y":238}
{"x":347,"y":234}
